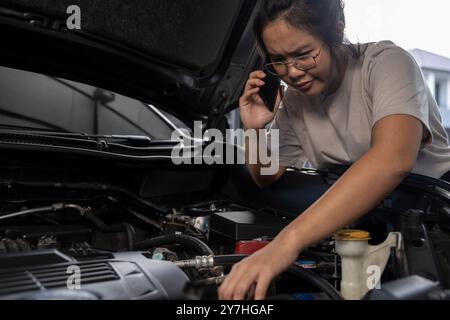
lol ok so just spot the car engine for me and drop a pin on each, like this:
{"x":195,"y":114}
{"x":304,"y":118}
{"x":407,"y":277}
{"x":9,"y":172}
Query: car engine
{"x":78,"y":244}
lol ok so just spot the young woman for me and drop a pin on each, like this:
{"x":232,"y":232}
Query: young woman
{"x":366,"y":105}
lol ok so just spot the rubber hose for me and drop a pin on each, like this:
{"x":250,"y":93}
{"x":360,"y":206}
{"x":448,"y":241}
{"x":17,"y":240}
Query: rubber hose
{"x":228,"y":259}
{"x":315,"y":280}
{"x":114,"y":228}
{"x":185,"y":240}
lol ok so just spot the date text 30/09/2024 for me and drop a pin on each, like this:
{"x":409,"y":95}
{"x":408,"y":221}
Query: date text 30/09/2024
{"x":223,"y":309}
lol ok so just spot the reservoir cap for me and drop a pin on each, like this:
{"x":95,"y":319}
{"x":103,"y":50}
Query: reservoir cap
{"x":352,"y":235}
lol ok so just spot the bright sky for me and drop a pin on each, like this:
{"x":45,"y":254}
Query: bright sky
{"x":423,"y":24}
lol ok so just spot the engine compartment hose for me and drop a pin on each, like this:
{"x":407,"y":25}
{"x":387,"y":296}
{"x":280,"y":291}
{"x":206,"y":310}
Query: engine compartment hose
{"x":316,"y":281}
{"x":184,"y":240}
{"x":53,"y":208}
{"x":120,"y":227}
{"x":228,"y":259}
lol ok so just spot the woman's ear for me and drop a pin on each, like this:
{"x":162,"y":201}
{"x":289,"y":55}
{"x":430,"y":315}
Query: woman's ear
{"x":340,"y":27}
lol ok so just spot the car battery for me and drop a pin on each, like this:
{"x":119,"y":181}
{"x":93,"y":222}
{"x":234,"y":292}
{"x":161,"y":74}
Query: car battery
{"x":228,"y":228}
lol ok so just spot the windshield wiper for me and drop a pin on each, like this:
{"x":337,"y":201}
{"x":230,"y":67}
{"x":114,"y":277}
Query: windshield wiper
{"x":126,"y":137}
{"x":103,"y":140}
{"x":130,"y":139}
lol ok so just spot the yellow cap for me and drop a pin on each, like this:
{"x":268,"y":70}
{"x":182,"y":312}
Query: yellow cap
{"x":352,"y":235}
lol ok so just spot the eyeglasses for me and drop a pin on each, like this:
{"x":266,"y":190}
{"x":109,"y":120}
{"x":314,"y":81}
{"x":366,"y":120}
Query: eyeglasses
{"x":302,"y":63}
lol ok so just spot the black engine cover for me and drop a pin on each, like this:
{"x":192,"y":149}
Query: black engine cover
{"x":50,"y":275}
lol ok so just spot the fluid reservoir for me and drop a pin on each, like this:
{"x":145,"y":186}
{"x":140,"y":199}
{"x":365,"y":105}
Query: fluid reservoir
{"x":362,"y":264}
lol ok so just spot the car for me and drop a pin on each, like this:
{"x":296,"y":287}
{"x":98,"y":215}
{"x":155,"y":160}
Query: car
{"x":93,"y":204}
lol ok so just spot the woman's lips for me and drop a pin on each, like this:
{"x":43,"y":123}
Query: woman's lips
{"x":305,"y":85}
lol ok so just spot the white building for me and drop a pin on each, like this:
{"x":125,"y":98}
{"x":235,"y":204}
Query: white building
{"x":436,"y":70}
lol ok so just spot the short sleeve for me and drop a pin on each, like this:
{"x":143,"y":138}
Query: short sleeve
{"x":290,"y":150}
{"x":396,"y":86}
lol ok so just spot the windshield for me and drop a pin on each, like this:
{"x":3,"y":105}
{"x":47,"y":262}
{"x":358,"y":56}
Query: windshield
{"x":39,"y":102}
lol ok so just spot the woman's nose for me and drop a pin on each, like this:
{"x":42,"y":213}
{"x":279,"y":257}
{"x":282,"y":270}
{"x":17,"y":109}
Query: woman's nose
{"x":293,"y":72}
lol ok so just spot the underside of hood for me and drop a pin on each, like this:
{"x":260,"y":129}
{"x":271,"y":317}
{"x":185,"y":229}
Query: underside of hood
{"x":163,"y":52}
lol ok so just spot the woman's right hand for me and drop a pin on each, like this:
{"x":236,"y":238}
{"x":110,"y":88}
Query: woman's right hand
{"x":254,"y":113}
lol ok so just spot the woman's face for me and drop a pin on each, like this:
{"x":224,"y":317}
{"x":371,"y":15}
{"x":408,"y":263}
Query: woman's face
{"x":284,"y":42}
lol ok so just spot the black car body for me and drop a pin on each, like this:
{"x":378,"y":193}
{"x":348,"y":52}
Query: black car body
{"x":87,"y":183}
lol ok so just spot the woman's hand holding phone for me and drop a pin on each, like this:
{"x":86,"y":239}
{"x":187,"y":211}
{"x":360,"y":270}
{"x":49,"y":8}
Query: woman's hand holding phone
{"x":254,"y":112}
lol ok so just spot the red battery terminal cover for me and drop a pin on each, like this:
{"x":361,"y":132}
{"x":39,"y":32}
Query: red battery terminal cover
{"x":250,"y":246}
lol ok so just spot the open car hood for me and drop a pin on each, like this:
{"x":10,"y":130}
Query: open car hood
{"x":190,"y":57}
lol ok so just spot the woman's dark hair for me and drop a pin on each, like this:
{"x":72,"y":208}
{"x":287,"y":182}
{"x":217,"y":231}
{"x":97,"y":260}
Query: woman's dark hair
{"x":319,"y":17}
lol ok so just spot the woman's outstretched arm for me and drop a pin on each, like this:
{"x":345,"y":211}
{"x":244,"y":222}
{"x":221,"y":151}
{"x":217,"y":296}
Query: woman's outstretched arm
{"x":396,"y":141}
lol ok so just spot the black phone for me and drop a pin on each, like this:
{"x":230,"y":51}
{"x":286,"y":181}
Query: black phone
{"x":269,"y":91}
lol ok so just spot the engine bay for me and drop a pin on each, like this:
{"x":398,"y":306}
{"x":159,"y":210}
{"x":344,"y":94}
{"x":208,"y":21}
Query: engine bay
{"x":77,"y":228}
{"x":127,"y":249}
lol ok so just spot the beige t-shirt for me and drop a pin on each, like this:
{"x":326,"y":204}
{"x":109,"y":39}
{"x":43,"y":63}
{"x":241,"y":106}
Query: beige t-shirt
{"x":383,"y":81}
